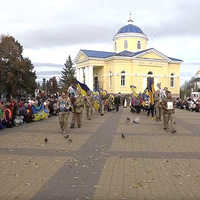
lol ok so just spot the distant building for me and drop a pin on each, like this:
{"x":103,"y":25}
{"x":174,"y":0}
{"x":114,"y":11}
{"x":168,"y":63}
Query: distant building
{"x":131,"y":63}
{"x":197,"y":81}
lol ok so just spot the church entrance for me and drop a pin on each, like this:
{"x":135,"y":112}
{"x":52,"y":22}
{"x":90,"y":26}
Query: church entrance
{"x":150,"y":79}
{"x":96,"y":85}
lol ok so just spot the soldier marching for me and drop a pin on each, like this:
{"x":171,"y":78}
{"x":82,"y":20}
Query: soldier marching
{"x":163,"y":101}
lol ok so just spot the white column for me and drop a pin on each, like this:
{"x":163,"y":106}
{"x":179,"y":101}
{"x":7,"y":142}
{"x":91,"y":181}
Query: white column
{"x":78,"y":74}
{"x":86,"y":76}
{"x":91,"y":77}
{"x":81,"y":75}
{"x":144,"y":82}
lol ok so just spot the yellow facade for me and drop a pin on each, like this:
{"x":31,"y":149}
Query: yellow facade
{"x":132,"y":44}
{"x":117,"y":71}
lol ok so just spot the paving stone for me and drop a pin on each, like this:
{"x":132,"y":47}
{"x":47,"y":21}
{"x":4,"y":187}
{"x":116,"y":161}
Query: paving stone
{"x":147,"y":164}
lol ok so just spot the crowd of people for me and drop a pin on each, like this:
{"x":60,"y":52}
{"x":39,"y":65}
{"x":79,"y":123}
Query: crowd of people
{"x":21,"y":111}
{"x":188,"y":104}
{"x":25,"y":110}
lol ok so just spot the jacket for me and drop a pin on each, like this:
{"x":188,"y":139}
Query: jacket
{"x":89,"y":100}
{"x":7,"y":114}
{"x":157,"y":98}
{"x":78,"y":104}
{"x":63,"y":104}
{"x":165,"y":103}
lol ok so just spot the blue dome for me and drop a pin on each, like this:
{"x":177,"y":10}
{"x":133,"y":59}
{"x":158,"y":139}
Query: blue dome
{"x":130,"y":29}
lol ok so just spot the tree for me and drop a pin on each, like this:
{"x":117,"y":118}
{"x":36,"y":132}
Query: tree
{"x":186,"y":88}
{"x":52,"y":85}
{"x":67,"y":74}
{"x":28,"y":79}
{"x":16,"y":71}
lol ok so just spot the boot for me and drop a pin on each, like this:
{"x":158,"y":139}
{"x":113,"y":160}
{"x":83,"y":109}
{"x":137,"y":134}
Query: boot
{"x":72,"y":126}
{"x":61,"y":125}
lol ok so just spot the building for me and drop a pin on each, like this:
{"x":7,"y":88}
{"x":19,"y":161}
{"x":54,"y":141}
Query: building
{"x":131,"y":63}
{"x":197,"y":81}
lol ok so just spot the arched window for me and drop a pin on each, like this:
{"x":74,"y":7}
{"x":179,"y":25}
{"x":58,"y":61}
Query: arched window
{"x":110,"y":78}
{"x":115,"y":46}
{"x":123,"y":79}
{"x":172,"y":80}
{"x":150,"y":73}
{"x":125,"y":44}
{"x":138,"y":45}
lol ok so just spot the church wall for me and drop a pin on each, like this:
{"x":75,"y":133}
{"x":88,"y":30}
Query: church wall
{"x":132,"y":44}
{"x":135,"y":73}
{"x":82,"y":64}
{"x":116,"y":67}
{"x":174,"y":68}
{"x":151,"y":55}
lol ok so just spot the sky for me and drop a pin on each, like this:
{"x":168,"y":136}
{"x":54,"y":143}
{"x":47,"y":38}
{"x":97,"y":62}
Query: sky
{"x":51,"y":30}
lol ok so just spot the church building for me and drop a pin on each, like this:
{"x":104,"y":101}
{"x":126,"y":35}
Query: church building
{"x":130,"y":64}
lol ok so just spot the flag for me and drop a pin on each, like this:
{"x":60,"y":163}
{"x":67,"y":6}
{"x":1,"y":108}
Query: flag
{"x":95,"y":92}
{"x":134,"y":94}
{"x":39,"y":112}
{"x":82,"y":87}
{"x":111,"y":102}
{"x":97,"y":102}
{"x":133,"y":87}
{"x":145,"y":94}
{"x":104,"y":92}
{"x":151,"y":90}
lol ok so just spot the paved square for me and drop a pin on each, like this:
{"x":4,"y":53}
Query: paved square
{"x":136,"y":178}
{"x":99,"y":164}
{"x":36,"y":141}
{"x":156,"y":143}
{"x":22,"y":176}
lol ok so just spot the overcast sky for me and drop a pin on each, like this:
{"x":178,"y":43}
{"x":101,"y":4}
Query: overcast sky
{"x":51,"y":30}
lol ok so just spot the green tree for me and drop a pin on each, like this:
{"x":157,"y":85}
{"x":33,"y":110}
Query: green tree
{"x":67,"y":74}
{"x":52,"y":85}
{"x":186,"y":88}
{"x":16,"y":71}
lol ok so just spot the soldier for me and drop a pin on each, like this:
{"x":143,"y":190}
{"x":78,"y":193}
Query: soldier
{"x":163,"y":96}
{"x":117,"y":102}
{"x":63,"y":105}
{"x":102,"y":96}
{"x":158,"y":101}
{"x":77,"y":109}
{"x":169,"y":105}
{"x":89,"y":100}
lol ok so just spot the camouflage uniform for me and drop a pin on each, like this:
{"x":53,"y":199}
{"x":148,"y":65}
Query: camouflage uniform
{"x":77,"y":110}
{"x":169,"y":114}
{"x":157,"y":100}
{"x":102,"y":104}
{"x":89,"y":100}
{"x":63,"y":106}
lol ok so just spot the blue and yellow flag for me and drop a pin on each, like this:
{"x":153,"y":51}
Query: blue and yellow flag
{"x":82,"y":87}
{"x":133,"y":87}
{"x":97,"y":102}
{"x":145,"y":94}
{"x":151,"y":90}
{"x":134,"y":94}
{"x":111,"y":102}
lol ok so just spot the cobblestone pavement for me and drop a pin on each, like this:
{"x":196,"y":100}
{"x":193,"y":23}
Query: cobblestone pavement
{"x":148,"y":163}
